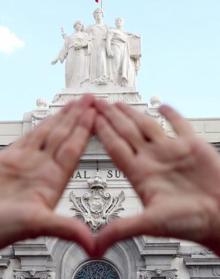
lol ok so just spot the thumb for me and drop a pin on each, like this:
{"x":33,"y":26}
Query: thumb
{"x":118,"y":230}
{"x":69,"y":229}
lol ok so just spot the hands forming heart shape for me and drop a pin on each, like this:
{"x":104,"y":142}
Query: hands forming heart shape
{"x":177,"y":180}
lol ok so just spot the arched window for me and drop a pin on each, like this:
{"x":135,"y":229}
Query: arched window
{"x":97,"y":270}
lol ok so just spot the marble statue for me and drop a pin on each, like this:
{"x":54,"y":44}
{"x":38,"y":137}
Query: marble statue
{"x":99,"y":66}
{"x":100,"y":57}
{"x":122,"y":66}
{"x":75,"y":52}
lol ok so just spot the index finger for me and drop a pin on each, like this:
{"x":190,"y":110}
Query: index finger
{"x":180,"y":125}
{"x":35,"y":138}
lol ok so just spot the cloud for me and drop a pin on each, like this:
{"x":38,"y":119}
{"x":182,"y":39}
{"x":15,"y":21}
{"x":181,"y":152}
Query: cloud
{"x":9,"y":42}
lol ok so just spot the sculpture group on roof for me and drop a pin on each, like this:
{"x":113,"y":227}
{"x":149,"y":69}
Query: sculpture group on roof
{"x":100,"y":55}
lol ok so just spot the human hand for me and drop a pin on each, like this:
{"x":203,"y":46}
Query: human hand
{"x":177,"y":179}
{"x":34,"y":172}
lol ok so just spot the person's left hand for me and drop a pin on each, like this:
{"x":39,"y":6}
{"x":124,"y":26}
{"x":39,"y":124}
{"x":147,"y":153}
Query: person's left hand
{"x":34,"y":172}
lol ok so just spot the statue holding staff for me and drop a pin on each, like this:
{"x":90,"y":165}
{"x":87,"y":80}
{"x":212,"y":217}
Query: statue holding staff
{"x":75,"y":52}
{"x":99,"y":57}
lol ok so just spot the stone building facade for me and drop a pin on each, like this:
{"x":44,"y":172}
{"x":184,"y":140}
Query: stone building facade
{"x":138,"y":258}
{"x":98,"y":191}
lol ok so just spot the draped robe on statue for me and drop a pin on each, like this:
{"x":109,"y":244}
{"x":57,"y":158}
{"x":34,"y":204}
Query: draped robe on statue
{"x":121,"y":67}
{"x":75,"y":52}
{"x":99,"y":62}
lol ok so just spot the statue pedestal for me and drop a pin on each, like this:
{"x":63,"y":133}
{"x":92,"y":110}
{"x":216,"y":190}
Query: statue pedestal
{"x":131,"y":98}
{"x":95,"y":149}
{"x":94,"y":88}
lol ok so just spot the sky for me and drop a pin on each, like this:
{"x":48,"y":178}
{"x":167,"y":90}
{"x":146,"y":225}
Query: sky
{"x":180,"y":50}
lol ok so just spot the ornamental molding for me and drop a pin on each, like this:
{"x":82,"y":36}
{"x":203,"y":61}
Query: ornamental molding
{"x":204,"y":277}
{"x":216,"y":271}
{"x":97,"y":207}
{"x":125,"y":97}
{"x":157,"y":273}
{"x":30,"y":249}
{"x":203,"y":267}
{"x":41,"y":112}
{"x":26,"y":274}
{"x":205,"y":261}
{"x":162,"y":248}
{"x":37,"y":116}
{"x":4,"y":263}
{"x":153,"y":111}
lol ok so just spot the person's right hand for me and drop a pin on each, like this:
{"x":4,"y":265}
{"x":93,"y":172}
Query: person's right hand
{"x":34,"y":172}
{"x":177,"y":179}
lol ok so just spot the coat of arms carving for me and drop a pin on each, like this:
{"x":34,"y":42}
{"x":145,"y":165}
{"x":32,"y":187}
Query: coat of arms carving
{"x":96,"y":207}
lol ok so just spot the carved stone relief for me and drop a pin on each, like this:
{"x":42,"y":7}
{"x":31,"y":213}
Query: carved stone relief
{"x":40,"y":113}
{"x":4,"y":263}
{"x":216,"y":271}
{"x":153,"y":112}
{"x":128,"y":98}
{"x":203,"y":267}
{"x":20,"y":274}
{"x":157,"y":273}
{"x":38,"y":117}
{"x":96,"y":207}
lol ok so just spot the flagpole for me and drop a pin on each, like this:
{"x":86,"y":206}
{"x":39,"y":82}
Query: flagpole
{"x":101,"y":3}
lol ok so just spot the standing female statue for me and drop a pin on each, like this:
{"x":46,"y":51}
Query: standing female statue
{"x":99,"y":59}
{"x":75,"y":52}
{"x":123,"y":67}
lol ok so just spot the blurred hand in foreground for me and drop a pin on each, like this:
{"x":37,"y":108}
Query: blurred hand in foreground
{"x":177,"y":179}
{"x":34,"y":172}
